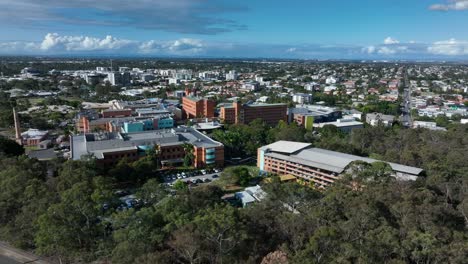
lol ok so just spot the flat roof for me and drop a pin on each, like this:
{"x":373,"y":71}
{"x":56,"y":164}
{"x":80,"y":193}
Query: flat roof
{"x":284,"y":146}
{"x":99,"y":144}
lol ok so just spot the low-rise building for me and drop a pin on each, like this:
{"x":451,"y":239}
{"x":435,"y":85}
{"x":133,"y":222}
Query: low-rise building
{"x":375,"y":119}
{"x":108,"y":148}
{"x":32,"y":137}
{"x":345,"y":125}
{"x":317,"y":167}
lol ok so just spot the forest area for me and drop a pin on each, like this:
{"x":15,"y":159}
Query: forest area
{"x":61,"y":214}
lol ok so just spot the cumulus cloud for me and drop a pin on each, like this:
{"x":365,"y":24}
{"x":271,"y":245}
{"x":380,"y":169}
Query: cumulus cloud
{"x":182,"y":16}
{"x":54,"y":43}
{"x":450,"y":5}
{"x":369,"y":49}
{"x":390,"y":41}
{"x":451,"y":47}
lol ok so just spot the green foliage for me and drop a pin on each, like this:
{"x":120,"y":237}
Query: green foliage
{"x":10,"y":148}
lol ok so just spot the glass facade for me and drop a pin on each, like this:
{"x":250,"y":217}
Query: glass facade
{"x":210,"y":156}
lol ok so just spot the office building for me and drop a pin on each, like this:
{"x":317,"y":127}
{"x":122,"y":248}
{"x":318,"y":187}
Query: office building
{"x":238,"y":113}
{"x":195,"y":107}
{"x":108,"y":148}
{"x":317,"y":167}
{"x":119,"y":78}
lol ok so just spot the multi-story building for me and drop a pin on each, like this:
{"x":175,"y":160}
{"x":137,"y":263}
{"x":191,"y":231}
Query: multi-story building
{"x":119,"y":78}
{"x":195,"y":107}
{"x":302,"y":98}
{"x":109,"y":148}
{"x":317,"y":167}
{"x":238,"y":113}
{"x":231,"y":76}
{"x":307,"y":115}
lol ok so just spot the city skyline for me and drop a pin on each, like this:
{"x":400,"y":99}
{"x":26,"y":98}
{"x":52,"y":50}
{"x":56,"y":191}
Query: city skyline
{"x":332,"y":29}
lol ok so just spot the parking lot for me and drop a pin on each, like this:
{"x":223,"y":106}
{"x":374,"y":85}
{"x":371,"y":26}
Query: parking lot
{"x":194,"y":177}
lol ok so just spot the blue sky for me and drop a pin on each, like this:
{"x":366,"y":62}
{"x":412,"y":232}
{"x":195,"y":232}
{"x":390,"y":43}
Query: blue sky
{"x":331,"y":29}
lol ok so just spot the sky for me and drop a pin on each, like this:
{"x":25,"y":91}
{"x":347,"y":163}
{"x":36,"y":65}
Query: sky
{"x":297,"y":29}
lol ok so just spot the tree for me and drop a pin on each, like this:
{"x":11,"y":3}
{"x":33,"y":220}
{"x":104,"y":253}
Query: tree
{"x":189,"y":156}
{"x":10,"y":148}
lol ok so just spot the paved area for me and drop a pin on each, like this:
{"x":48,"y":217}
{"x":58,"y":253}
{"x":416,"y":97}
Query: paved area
{"x":10,"y":255}
{"x":210,"y":176}
{"x":7,"y":260}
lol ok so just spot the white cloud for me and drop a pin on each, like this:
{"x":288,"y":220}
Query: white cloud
{"x":369,"y":49}
{"x":291,"y":50}
{"x":386,"y":51}
{"x":451,"y":47}
{"x":54,"y":43}
{"x":390,"y":41}
{"x":451,"y":5}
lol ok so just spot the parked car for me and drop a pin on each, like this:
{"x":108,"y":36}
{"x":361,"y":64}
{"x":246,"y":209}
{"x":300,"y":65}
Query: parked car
{"x":215,"y":176}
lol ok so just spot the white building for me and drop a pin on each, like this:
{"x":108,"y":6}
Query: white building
{"x":331,"y":80}
{"x":232,"y":75}
{"x":302,"y":98}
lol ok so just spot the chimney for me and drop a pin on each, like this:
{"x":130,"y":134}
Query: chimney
{"x":18,"y":137}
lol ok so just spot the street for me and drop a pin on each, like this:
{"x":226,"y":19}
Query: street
{"x":406,"y":104}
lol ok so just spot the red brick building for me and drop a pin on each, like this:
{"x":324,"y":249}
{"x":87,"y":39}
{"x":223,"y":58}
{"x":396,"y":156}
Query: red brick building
{"x":238,"y":113}
{"x":198,"y":107}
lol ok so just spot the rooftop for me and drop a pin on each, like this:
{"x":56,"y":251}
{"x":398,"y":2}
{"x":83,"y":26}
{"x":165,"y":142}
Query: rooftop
{"x":286,"y":146}
{"x":331,"y":160}
{"x":98,"y":144}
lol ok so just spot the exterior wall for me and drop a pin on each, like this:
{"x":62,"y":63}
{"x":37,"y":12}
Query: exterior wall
{"x":133,"y":127}
{"x":270,"y":114}
{"x":313,"y":176}
{"x":228,"y":115}
{"x":240,"y":114}
{"x":209,"y":156}
{"x":200,"y":108}
{"x":117,"y":113}
{"x":172,"y":152}
{"x":114,"y":157}
{"x":165,"y":123}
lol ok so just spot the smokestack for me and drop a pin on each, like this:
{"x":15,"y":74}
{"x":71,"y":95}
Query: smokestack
{"x":18,"y":137}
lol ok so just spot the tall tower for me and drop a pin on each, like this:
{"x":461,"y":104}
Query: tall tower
{"x":18,"y":137}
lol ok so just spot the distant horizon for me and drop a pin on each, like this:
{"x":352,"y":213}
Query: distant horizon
{"x":302,"y":29}
{"x":259,"y":59}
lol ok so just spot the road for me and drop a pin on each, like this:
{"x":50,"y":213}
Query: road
{"x":10,"y":255}
{"x":7,"y":260}
{"x":406,"y":104}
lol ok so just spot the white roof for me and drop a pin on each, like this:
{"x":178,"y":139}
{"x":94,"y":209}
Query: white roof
{"x":286,"y":146}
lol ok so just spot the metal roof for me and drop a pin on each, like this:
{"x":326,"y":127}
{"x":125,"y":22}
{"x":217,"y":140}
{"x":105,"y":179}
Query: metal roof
{"x":286,"y":146}
{"x":333,"y":161}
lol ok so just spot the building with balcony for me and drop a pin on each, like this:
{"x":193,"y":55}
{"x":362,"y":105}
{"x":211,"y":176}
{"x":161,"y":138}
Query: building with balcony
{"x":314,"y":166}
